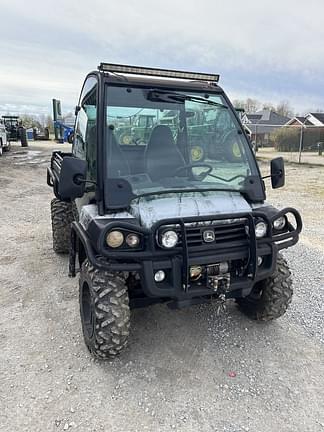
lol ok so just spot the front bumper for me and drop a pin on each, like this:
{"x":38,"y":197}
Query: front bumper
{"x":176,"y":263}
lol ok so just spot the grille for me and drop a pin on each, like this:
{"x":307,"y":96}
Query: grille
{"x":227,"y":234}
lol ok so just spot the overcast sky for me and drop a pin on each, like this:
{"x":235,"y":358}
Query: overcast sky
{"x":269,"y":50}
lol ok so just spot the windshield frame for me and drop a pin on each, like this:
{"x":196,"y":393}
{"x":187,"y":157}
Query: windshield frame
{"x":254,"y":193}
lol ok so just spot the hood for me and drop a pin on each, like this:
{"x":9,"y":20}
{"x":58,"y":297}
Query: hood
{"x":151,"y":209}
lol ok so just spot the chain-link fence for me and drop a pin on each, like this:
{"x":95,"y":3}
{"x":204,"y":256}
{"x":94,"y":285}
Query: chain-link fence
{"x":296,"y":143}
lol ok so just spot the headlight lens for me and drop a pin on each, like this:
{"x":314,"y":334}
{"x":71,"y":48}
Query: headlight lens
{"x":132,"y":240}
{"x":115,"y":239}
{"x":159,"y":276}
{"x":260,"y":229}
{"x":279,"y":223}
{"x":169,"y":239}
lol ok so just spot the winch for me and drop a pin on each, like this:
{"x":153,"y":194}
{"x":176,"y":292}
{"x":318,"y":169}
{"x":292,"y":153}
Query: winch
{"x":218,"y":277}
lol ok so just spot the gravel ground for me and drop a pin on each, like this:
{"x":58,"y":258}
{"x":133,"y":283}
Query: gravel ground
{"x":185,"y":370}
{"x":306,"y":157}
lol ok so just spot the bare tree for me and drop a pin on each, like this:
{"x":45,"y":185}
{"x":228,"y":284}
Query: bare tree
{"x":249,"y":105}
{"x":30,"y":121}
{"x":253,"y":105}
{"x":285,"y":109}
{"x":268,"y":106}
{"x":49,"y":123}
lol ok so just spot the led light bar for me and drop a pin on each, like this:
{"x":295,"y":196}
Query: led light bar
{"x":167,"y":73}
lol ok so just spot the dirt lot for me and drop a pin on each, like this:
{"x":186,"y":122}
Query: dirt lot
{"x":312,"y":158}
{"x":177,"y":373}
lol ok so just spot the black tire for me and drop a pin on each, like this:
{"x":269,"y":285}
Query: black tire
{"x":126,"y":138}
{"x":23,"y":137}
{"x":271,"y":297}
{"x":104,"y":310}
{"x":62,"y":216}
{"x":7,"y":147}
{"x":70,"y":138}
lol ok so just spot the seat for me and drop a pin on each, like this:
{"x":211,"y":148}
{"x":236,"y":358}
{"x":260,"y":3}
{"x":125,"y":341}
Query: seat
{"x":162,"y":157}
{"x":117,"y":163}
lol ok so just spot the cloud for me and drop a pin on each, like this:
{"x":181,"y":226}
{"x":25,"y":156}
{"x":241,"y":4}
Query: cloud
{"x":270,"y":50}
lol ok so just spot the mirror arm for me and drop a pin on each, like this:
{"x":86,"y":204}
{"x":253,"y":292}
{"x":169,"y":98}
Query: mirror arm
{"x":78,"y":179}
{"x":279,"y":173}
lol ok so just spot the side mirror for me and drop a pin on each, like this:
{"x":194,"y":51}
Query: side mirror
{"x":277,"y":173}
{"x":72,"y":179}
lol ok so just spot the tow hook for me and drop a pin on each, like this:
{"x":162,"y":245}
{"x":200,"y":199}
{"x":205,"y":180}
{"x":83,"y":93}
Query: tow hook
{"x":221,"y":305}
{"x":218,"y":279}
{"x":219,"y":283}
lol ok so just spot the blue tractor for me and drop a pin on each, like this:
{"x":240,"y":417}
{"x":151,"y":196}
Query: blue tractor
{"x":68,"y":132}
{"x":62,"y":131}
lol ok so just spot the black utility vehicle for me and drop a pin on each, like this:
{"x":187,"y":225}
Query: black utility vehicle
{"x":146,"y":223}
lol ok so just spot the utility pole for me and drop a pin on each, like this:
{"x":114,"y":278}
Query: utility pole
{"x":301,"y":142}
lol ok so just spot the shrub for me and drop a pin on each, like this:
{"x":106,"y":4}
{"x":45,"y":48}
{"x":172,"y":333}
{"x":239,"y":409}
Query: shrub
{"x":286,"y":139}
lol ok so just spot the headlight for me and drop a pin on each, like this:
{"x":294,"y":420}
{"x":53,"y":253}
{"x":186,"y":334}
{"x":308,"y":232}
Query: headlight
{"x":279,"y":223}
{"x":260,"y":229}
{"x":169,"y":239}
{"x":159,"y":276}
{"x":132,"y":240}
{"x":115,"y":239}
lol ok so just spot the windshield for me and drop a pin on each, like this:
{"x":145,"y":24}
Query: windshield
{"x":160,"y":140}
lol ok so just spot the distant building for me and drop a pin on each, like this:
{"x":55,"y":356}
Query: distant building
{"x":317,"y":119}
{"x":310,"y":119}
{"x":262,"y":124}
{"x":298,"y":121}
{"x":311,"y":131}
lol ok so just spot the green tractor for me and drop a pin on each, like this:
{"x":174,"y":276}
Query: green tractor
{"x":137,"y":131}
{"x":208,"y":123}
{"x":197,"y":145}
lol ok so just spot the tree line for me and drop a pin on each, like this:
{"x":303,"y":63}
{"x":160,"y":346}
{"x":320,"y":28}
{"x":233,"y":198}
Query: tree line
{"x":253,"y":105}
{"x":38,"y":121}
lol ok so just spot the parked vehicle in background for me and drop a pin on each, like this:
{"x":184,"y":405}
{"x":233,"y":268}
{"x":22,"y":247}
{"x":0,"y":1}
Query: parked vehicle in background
{"x":136,"y":129}
{"x":12,"y":127}
{"x":4,"y":143}
{"x":68,"y":131}
{"x":41,"y":135}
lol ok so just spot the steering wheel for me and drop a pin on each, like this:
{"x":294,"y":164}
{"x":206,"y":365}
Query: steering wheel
{"x":228,"y":180}
{"x":200,"y":176}
{"x":203,"y":175}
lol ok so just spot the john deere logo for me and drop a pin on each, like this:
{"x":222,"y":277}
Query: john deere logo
{"x":208,"y":236}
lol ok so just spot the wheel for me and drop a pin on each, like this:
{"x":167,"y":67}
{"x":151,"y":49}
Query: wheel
{"x":271,"y":297}
{"x":104,"y":310}
{"x":62,"y":216}
{"x":197,"y":153}
{"x":231,"y":146}
{"x":23,"y":137}
{"x":125,"y":138}
{"x":70,"y":138}
{"x":7,"y":147}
